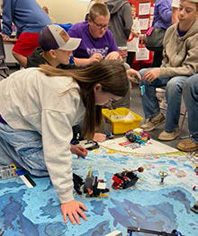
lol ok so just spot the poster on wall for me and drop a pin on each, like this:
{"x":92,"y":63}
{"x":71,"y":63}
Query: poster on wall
{"x":144,"y":8}
{"x":144,"y":23}
{"x":142,"y":54}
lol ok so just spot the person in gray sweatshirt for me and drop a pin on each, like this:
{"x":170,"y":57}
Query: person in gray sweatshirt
{"x":178,"y":65}
{"x":120,"y":23}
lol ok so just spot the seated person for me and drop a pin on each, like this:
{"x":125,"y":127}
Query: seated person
{"x":179,"y":63}
{"x":29,"y":19}
{"x":56,"y":48}
{"x":190,"y":96}
{"x":97,"y":40}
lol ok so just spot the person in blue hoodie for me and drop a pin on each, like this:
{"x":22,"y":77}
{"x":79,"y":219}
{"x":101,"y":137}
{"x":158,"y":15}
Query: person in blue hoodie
{"x":29,"y":19}
{"x":163,"y":19}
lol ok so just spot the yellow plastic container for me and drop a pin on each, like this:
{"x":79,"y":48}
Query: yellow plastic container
{"x":120,"y":126}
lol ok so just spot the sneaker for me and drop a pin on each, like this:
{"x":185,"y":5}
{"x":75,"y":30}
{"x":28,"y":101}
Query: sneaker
{"x":153,"y":122}
{"x":165,"y":136}
{"x":187,"y":145}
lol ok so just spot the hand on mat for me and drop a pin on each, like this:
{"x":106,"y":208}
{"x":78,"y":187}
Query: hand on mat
{"x":73,"y":210}
{"x":131,"y":74}
{"x":152,"y":74}
{"x":78,"y":150}
{"x":113,"y":56}
{"x":99,"y":137}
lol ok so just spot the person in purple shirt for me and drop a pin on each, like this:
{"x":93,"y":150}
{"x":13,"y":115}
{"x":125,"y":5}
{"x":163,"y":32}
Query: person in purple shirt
{"x":97,"y":40}
{"x":163,"y":19}
{"x":162,"y":14}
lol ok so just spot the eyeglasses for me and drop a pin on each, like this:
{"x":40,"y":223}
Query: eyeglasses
{"x":100,"y":26}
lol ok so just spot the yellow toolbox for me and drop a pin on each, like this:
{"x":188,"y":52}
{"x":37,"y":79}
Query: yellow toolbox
{"x":122,"y":119}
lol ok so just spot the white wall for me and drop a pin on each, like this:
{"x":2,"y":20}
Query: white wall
{"x":66,"y":11}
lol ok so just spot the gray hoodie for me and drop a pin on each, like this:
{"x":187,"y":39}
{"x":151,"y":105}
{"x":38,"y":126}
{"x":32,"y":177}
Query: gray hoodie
{"x":120,"y":21}
{"x":180,"y":53}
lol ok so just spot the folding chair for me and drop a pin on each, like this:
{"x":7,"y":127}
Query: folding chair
{"x":3,"y":67}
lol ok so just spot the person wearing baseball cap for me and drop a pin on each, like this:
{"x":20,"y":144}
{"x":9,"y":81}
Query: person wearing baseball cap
{"x":56,"y":47}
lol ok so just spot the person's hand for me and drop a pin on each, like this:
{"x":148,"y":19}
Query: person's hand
{"x":113,"y":56}
{"x":5,"y":37}
{"x":151,"y":75}
{"x":131,"y":74}
{"x":78,"y":150}
{"x":135,"y":34}
{"x":96,"y":57}
{"x":73,"y":210}
{"x":99,"y":137}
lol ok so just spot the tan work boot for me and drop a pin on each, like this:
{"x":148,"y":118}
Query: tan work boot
{"x":153,"y":122}
{"x":165,"y":136}
{"x":187,"y":145}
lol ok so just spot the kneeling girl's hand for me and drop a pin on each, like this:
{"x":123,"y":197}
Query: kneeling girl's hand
{"x":73,"y":210}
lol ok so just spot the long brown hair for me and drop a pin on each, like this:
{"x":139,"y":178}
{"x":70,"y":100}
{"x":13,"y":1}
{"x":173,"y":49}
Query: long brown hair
{"x":110,"y":74}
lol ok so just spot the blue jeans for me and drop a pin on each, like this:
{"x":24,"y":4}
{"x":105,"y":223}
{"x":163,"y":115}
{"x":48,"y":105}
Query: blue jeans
{"x":190,"y":96}
{"x":23,"y":148}
{"x":174,"y":87}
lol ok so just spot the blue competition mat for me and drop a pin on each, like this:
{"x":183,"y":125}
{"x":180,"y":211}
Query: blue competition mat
{"x":35,"y":211}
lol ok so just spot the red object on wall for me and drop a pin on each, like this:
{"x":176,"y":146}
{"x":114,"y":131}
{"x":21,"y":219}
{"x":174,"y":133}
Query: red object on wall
{"x":144,"y":63}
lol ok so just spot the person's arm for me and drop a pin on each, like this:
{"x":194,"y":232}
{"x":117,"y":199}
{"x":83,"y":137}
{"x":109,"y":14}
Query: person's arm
{"x":56,"y":136}
{"x":78,"y":150}
{"x":127,"y":20}
{"x":113,"y":56}
{"x":7,"y":17}
{"x":165,"y":11}
{"x":133,"y":75}
{"x":112,"y":43}
{"x":189,"y":66}
{"x":96,"y":57}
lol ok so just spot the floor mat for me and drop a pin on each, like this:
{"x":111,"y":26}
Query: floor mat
{"x":148,"y":204}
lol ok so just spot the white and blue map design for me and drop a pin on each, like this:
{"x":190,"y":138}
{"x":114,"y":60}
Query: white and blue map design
{"x":35,"y":211}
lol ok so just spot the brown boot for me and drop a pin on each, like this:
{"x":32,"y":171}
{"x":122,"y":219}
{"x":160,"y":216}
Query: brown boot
{"x":165,"y":136}
{"x":187,"y":145}
{"x":153,"y":122}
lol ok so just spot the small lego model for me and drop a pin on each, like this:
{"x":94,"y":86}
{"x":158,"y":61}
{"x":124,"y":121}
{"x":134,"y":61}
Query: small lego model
{"x":125,"y":179}
{"x":94,"y":187}
{"x":77,"y":136}
{"x":78,"y":183}
{"x":109,"y":135}
{"x":195,"y":207}
{"x":163,"y":175}
{"x":130,"y":230}
{"x":196,"y":170}
{"x":137,"y":137}
{"x":194,"y":188}
{"x":8,"y":171}
{"x":89,"y":144}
